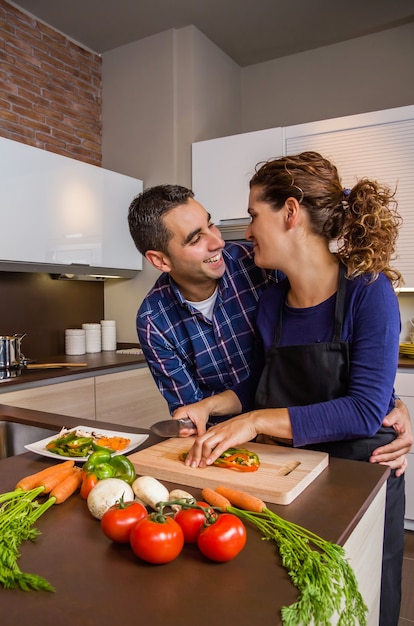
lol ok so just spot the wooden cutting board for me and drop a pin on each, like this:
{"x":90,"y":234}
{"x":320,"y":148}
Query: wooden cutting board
{"x":274,"y":481}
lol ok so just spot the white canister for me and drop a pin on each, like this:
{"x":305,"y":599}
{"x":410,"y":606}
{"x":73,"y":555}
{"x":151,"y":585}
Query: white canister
{"x":75,"y":341}
{"x":108,"y":332}
{"x":93,"y":337}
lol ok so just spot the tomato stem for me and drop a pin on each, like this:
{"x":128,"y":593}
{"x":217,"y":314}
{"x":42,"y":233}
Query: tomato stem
{"x":210,"y":512}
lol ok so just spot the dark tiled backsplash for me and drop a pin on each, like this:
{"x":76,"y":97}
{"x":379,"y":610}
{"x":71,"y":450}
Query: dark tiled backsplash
{"x":42,"y":307}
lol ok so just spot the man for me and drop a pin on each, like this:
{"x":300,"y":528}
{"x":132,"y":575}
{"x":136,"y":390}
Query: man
{"x":196,"y":325}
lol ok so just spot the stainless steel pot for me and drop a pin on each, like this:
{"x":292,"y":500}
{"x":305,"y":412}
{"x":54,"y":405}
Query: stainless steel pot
{"x":10,"y":353}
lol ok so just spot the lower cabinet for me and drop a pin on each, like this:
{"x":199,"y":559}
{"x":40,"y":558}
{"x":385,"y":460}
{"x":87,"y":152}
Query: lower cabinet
{"x":129,"y":398}
{"x":75,"y":398}
{"x":404,"y":387}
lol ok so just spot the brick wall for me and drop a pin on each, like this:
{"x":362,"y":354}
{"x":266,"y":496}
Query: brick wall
{"x":50,"y":88}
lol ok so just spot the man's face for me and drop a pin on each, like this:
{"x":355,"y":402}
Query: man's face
{"x":194,"y":252}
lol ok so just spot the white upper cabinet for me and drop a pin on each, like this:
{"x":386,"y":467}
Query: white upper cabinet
{"x":62,"y":215}
{"x":378,"y":145}
{"x":222,"y":168}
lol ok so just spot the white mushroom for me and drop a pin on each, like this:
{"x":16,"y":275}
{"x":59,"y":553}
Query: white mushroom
{"x":106,"y":493}
{"x":150,"y":491}
{"x":179,"y":494}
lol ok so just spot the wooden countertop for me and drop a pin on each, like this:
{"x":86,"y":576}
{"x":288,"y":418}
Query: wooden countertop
{"x":98,"y":582}
{"x":100,"y":362}
{"x":405,"y":362}
{"x":96,"y":362}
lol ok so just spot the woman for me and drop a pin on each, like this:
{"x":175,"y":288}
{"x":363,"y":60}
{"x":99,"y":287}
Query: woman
{"x":329,"y":332}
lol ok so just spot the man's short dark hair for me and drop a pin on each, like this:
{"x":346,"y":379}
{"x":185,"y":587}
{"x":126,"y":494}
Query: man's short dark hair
{"x":146,"y":212}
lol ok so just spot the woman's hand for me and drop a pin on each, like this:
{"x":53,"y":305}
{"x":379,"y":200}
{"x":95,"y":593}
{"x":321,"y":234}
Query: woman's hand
{"x":395,"y":453}
{"x":230,"y":434}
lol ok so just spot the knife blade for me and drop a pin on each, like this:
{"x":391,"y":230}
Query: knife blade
{"x":173,"y":428}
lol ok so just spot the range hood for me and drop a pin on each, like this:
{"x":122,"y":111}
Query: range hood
{"x":233,"y":229}
{"x":68,"y":272}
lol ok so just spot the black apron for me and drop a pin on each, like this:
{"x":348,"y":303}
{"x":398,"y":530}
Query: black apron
{"x":313,"y":373}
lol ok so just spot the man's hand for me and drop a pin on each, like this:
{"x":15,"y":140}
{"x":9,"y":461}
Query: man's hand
{"x":394,"y":454}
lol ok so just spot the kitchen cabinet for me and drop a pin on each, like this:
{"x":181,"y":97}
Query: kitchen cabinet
{"x":376,"y":145}
{"x":75,"y":398}
{"x":404,"y":387}
{"x":60,"y":215}
{"x":128,"y":398}
{"x":222,"y":168}
{"x":379,"y":145}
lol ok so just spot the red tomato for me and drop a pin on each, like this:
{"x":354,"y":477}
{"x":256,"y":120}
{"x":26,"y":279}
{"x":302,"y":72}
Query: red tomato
{"x":224,"y":539}
{"x":88,"y":481}
{"x":118,"y":520}
{"x":191,"y":521}
{"x":157,"y":541}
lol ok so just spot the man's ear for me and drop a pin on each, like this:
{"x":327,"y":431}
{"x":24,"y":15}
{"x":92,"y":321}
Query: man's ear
{"x":159,"y":260}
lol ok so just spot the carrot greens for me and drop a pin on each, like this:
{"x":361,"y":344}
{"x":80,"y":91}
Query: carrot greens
{"x":19,"y":511}
{"x":318,"y":569}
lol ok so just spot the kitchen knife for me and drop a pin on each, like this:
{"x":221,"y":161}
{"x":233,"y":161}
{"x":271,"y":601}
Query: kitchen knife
{"x":173,"y":428}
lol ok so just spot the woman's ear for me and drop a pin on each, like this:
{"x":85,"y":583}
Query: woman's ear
{"x":292,"y":211}
{"x":159,"y":260}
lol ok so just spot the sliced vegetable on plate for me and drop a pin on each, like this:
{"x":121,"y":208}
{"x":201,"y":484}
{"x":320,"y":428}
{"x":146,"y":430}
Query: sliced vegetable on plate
{"x":80,"y":442}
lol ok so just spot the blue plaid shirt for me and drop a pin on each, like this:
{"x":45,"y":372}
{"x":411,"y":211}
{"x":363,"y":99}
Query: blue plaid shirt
{"x":189,"y":356}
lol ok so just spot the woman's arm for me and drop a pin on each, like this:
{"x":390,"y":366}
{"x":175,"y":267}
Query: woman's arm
{"x":237,"y":431}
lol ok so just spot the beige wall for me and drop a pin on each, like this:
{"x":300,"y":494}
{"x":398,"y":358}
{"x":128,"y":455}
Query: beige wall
{"x":164,"y":92}
{"x":159,"y":95}
{"x":365,"y":74}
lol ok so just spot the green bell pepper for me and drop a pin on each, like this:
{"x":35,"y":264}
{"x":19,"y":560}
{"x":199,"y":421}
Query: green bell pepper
{"x":104,"y":465}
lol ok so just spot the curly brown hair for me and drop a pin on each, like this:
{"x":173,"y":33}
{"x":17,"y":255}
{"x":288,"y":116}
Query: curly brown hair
{"x":363,"y":222}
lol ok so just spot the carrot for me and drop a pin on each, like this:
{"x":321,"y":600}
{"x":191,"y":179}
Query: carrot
{"x":67,"y":487}
{"x":49,"y":482}
{"x":29,"y":482}
{"x":215,"y":499}
{"x":241,"y":499}
{"x":115,"y":443}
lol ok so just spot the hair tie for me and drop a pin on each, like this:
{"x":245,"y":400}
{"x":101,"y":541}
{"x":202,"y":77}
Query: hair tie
{"x":346,"y":192}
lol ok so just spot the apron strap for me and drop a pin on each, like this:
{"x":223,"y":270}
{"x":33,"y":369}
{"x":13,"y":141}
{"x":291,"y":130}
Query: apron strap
{"x":339,"y":305}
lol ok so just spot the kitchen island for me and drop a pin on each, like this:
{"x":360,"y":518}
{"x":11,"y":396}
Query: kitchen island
{"x":98,"y":582}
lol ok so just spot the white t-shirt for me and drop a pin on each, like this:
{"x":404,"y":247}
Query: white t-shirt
{"x":206,"y":307}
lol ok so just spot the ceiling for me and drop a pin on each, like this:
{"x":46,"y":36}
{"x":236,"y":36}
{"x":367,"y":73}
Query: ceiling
{"x":249,"y":31}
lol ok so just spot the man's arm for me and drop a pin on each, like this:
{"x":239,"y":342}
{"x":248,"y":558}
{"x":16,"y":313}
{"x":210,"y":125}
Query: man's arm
{"x":395,"y":453}
{"x":171,"y":374}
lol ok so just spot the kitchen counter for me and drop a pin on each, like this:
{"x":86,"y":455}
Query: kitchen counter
{"x":98,"y":582}
{"x":406,"y":362}
{"x":99,"y":362}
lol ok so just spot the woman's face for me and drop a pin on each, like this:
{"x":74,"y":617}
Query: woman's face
{"x":265,"y":231}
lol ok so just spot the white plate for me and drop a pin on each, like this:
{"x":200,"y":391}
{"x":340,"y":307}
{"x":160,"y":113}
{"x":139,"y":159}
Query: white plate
{"x":39,"y":447}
